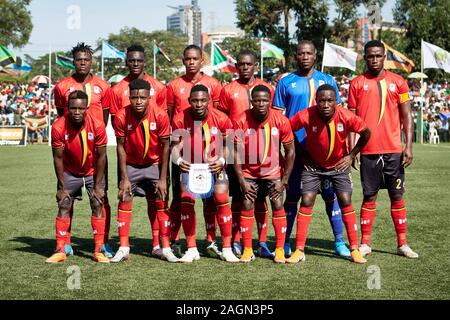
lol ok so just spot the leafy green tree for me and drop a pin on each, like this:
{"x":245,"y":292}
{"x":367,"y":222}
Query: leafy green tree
{"x":15,"y":23}
{"x":271,"y":19}
{"x":424,"y":19}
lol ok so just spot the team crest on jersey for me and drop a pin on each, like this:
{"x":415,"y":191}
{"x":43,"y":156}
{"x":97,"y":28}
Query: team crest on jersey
{"x":293,"y":85}
{"x":340,"y":127}
{"x":214,"y":130}
{"x":182,"y":90}
{"x":130,"y":127}
{"x":236,"y":94}
{"x":314,"y":129}
{"x":96,"y":89}
{"x":366,"y":87}
{"x":392,"y":87}
{"x":152,"y":92}
{"x":274,"y":131}
{"x":152,"y":125}
{"x":321,"y":82}
{"x":90,"y":136}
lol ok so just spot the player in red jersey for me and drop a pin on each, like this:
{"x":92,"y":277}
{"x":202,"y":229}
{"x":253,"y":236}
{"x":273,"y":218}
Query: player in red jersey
{"x":120,"y":92}
{"x":142,"y":132}
{"x":79,"y":158}
{"x":260,"y":168}
{"x":234,"y":101}
{"x":327,"y":127}
{"x":121,"y":97}
{"x":199,"y":138}
{"x":381,"y":99}
{"x":99,"y":99}
{"x":178,"y":92}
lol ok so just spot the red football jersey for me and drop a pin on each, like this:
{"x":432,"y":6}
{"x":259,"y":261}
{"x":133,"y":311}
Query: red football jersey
{"x":79,"y":145}
{"x":235,"y":97}
{"x":142,"y":136}
{"x":327,"y":142}
{"x":377,"y":101}
{"x":121,"y":94}
{"x":204,"y":142}
{"x":97,"y":90}
{"x":179,"y":89}
{"x":261,"y":150}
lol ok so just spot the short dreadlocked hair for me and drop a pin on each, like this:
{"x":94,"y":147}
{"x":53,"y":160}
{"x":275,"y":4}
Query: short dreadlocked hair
{"x":81,"y":47}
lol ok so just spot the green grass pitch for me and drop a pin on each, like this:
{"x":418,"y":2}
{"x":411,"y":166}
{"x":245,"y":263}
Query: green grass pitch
{"x":28,"y":209}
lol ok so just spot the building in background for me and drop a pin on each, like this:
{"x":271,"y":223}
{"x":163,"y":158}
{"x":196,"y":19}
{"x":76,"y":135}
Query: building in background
{"x":188,"y":20}
{"x":220,"y":33}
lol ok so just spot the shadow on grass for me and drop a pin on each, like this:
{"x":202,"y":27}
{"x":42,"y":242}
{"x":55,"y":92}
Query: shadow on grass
{"x":83,"y":247}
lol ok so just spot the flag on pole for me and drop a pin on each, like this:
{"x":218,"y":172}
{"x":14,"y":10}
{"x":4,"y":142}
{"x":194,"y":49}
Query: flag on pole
{"x":20,"y":65}
{"x":221,"y":60}
{"x":157,"y":49}
{"x":271,"y":51}
{"x":435,"y":57}
{"x":6,"y":57}
{"x":64,"y":62}
{"x":396,"y":60}
{"x":337,"y":56}
{"x":108,"y":51}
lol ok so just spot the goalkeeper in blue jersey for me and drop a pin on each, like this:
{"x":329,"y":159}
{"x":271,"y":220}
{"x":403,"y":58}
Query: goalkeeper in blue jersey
{"x":295,"y":92}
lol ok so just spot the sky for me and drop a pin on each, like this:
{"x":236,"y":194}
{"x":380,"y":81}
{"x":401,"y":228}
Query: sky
{"x":56,"y":23}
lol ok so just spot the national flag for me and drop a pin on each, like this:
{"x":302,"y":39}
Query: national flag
{"x":337,"y":56}
{"x":108,"y":51}
{"x":6,"y":57}
{"x":221,"y":60}
{"x":20,"y":65}
{"x":435,"y":57}
{"x":157,"y":49}
{"x":396,"y":60}
{"x":64,"y":62}
{"x":271,"y":51}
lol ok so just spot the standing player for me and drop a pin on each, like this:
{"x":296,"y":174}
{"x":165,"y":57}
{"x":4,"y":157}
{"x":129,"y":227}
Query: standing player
{"x":260,"y":167}
{"x":327,"y":127}
{"x":294,"y":93}
{"x":121,"y":97}
{"x":234,"y":101}
{"x":200,"y":133}
{"x":178,"y":92}
{"x":381,"y":99}
{"x":99,"y":99}
{"x":79,"y":158}
{"x":142,"y":132}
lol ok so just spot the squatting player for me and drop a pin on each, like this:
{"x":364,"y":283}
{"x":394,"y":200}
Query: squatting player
{"x":260,"y":167}
{"x":381,"y":99}
{"x":199,"y":137}
{"x":327,"y":127}
{"x":178,"y":92}
{"x":136,"y":62}
{"x":142,"y":132}
{"x":99,"y":99}
{"x":295,"y":92}
{"x":234,"y":101}
{"x":79,"y":158}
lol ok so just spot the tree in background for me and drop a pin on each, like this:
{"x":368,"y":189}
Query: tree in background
{"x":424,"y":19}
{"x":15,"y":23}
{"x":271,"y":19}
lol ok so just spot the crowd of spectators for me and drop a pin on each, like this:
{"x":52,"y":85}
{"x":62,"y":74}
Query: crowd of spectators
{"x":19,"y":102}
